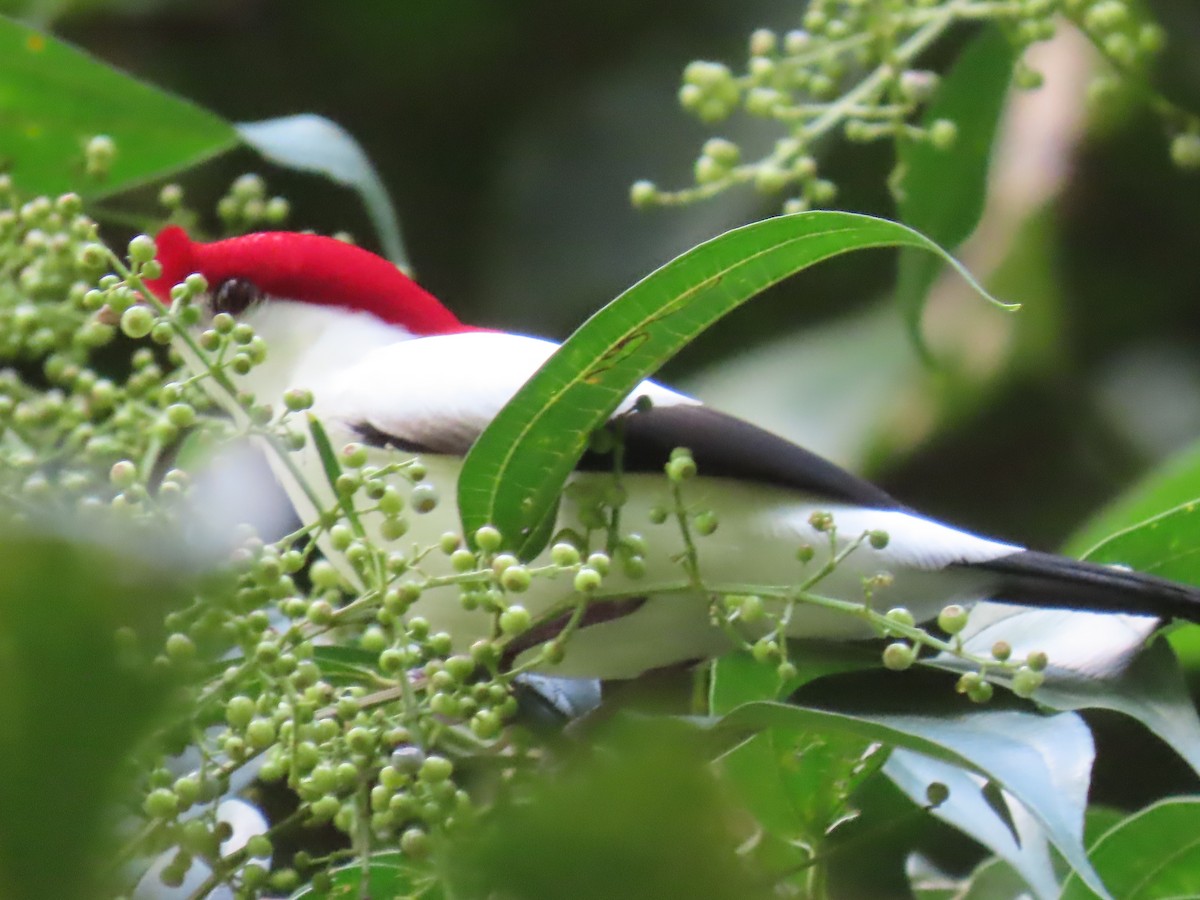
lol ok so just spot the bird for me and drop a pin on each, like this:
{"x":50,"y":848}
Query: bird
{"x":394,"y":370}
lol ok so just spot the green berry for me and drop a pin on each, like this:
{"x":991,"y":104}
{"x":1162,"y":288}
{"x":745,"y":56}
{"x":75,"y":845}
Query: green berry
{"x":587,"y":580}
{"x":137,"y":322}
{"x":1026,"y":681}
{"x":161,"y":803}
{"x":515,"y":620}
{"x":516,"y":579}
{"x":899,"y":656}
{"x":952,"y":619}
{"x":488,"y":539}
{"x":435,"y":769}
{"x":564,"y":555}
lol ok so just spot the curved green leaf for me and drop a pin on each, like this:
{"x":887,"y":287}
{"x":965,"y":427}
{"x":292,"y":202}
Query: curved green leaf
{"x":516,"y":470}
{"x":1042,"y":761}
{"x":1152,"y":855}
{"x":1175,"y":482}
{"x":943,"y":192}
{"x":312,"y":143}
{"x":1167,"y":545}
{"x":54,"y":98}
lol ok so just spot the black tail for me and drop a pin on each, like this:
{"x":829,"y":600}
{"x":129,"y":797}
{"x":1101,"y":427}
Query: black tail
{"x":1030,"y":578}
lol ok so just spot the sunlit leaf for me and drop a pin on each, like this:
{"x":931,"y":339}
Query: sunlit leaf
{"x":943,"y":191}
{"x":1042,"y":761}
{"x":967,"y":810}
{"x":54,"y":98}
{"x":518,"y":466}
{"x":1152,"y":855}
{"x":1097,"y":661}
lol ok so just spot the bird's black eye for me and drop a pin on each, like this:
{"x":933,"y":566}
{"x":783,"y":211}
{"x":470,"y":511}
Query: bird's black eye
{"x":234,"y":296}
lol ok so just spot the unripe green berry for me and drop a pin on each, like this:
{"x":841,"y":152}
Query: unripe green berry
{"x":488,"y":539}
{"x":587,"y":580}
{"x":161,"y":803}
{"x":952,"y":619}
{"x":878,"y":539}
{"x":142,"y":249}
{"x":1037,"y":660}
{"x":706,"y":523}
{"x":1001,"y":650}
{"x":680,"y":468}
{"x":516,"y":579}
{"x":943,"y":134}
{"x":137,"y":321}
{"x":565,"y":555}
{"x":1026,"y":681}
{"x":435,"y":769}
{"x":515,"y":620}
{"x":642,"y":194}
{"x":899,"y":656}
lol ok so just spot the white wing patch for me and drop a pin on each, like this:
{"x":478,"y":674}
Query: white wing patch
{"x":442,"y":391}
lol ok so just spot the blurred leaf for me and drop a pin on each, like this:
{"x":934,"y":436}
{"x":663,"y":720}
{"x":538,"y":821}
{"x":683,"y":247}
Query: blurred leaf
{"x":74,"y":709}
{"x":312,"y":143}
{"x":1097,"y":661}
{"x":54,"y":98}
{"x":347,"y":665}
{"x":1041,"y":761}
{"x":517,"y":467}
{"x":968,"y":810}
{"x":389,"y":874}
{"x":1153,"y":854}
{"x":642,"y":819}
{"x":1175,"y":482}
{"x":798,"y":783}
{"x":943,"y":191}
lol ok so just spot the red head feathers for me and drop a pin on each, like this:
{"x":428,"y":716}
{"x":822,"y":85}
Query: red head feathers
{"x":307,"y":267}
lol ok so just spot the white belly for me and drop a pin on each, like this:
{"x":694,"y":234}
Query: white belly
{"x":759,"y":532}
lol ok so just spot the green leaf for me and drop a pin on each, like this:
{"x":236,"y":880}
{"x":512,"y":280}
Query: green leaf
{"x":943,"y":191}
{"x":54,"y":98}
{"x":74,"y":707}
{"x":1041,"y":761}
{"x":1153,"y":854}
{"x":520,"y":463}
{"x":1167,"y":545}
{"x":738,"y":678}
{"x":1097,"y":661}
{"x":312,"y":143}
{"x":389,"y":874}
{"x":1172,"y":484}
{"x":1018,"y":838}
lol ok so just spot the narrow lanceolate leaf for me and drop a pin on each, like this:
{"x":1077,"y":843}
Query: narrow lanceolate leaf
{"x":312,"y":143}
{"x":1153,"y":854}
{"x":54,"y":98}
{"x":519,"y":465}
{"x":943,"y":191}
{"x":1041,"y":762}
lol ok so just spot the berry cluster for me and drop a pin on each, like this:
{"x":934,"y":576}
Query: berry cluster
{"x":854,"y":67}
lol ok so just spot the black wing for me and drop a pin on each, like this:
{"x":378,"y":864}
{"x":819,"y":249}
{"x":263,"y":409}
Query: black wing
{"x":722,"y":445}
{"x":728,"y":447}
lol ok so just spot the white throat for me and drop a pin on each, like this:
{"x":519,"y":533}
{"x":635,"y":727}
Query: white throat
{"x":307,"y":344}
